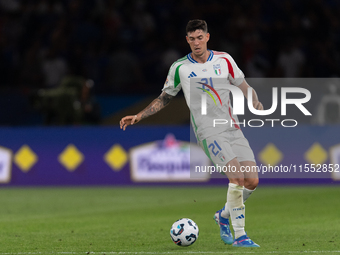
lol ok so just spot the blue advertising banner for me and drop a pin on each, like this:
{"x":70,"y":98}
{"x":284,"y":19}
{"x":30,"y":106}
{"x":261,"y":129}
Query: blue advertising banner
{"x":151,"y":155}
{"x":304,"y":151}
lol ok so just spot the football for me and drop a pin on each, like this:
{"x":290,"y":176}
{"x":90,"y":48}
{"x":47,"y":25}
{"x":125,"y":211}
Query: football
{"x":184,"y":232}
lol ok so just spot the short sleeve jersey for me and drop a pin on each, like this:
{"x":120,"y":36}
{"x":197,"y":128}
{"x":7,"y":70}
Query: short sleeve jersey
{"x":207,"y":78}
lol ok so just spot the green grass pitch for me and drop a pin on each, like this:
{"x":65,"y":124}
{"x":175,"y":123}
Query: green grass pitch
{"x":283,"y":220}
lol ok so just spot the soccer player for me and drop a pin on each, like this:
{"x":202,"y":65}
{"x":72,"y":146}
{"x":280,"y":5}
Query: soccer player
{"x":224,"y":145}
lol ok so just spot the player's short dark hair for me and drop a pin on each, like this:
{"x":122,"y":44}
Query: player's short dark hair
{"x":195,"y":24}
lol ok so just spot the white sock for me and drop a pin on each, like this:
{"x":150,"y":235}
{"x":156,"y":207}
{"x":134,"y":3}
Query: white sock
{"x":236,"y":208}
{"x":246,"y":194}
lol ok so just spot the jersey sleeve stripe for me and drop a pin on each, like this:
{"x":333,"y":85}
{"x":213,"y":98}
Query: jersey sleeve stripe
{"x":177,"y":79}
{"x":177,"y":61}
{"x":230,"y":67}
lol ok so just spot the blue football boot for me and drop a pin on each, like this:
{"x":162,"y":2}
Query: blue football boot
{"x":244,"y":241}
{"x":225,"y":233}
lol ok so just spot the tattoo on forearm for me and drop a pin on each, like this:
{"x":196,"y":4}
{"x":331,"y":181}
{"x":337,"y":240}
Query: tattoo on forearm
{"x":156,"y":105}
{"x":165,"y":98}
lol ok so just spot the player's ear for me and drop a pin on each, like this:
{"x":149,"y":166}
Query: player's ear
{"x":208,"y":36}
{"x":186,"y":37}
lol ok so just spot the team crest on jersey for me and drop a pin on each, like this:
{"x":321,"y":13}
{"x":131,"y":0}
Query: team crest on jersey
{"x":166,"y":82}
{"x":217,"y":69}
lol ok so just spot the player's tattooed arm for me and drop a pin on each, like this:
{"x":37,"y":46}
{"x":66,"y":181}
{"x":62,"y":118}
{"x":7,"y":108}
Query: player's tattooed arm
{"x":155,"y":106}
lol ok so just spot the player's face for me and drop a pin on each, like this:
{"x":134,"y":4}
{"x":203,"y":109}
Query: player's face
{"x":198,"y":42}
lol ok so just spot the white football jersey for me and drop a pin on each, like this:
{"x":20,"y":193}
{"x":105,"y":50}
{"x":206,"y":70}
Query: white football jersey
{"x":206,"y":78}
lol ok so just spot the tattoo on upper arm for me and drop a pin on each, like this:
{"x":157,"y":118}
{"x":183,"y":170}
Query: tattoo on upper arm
{"x":156,"y":105}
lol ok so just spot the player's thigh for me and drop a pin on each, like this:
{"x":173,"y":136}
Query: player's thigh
{"x":245,"y":156}
{"x":241,"y":148}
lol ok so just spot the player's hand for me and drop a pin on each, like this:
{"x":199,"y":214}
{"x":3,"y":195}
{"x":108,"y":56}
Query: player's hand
{"x":128,"y":120}
{"x":257,"y":105}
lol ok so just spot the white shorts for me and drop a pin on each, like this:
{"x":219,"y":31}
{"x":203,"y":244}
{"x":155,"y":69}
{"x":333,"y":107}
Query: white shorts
{"x":224,"y":147}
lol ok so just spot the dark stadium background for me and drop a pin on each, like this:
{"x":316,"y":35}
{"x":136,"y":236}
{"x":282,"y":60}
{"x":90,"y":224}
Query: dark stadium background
{"x":126,"y":48}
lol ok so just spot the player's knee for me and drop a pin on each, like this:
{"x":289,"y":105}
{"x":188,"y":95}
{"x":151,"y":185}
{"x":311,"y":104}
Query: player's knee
{"x":237,"y":181}
{"x":251,"y":183}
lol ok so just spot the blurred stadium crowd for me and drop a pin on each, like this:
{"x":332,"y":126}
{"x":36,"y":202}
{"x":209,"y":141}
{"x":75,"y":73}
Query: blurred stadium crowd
{"x":127,"y":47}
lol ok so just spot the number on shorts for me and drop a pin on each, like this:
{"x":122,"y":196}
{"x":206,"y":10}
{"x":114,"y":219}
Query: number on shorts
{"x":212,"y":145}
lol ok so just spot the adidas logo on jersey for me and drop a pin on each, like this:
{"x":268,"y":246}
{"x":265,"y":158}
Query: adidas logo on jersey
{"x":192,"y":75}
{"x":240,"y":217}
